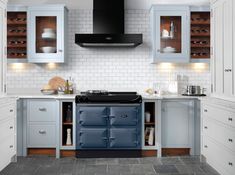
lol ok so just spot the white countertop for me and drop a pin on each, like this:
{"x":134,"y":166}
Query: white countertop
{"x":41,"y":96}
{"x":72,"y":96}
{"x":159,"y":97}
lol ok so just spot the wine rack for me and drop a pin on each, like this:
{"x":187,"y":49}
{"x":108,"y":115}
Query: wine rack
{"x":16,"y":35}
{"x":200,"y":35}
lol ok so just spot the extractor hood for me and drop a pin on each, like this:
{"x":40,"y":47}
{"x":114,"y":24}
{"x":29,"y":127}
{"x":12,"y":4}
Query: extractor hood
{"x":108,"y":27}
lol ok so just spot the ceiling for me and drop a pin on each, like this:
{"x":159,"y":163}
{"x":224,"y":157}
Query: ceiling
{"x":130,"y":4}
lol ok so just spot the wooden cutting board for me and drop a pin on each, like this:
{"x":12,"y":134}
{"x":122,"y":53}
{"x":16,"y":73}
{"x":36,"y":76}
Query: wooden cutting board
{"x":56,"y":82}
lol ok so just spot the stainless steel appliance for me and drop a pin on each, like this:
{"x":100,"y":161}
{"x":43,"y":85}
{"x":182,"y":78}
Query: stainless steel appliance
{"x":194,"y":91}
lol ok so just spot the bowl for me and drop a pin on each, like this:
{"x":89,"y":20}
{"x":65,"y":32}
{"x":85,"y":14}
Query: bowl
{"x":48,"y":91}
{"x":48,"y":49}
{"x":48,"y":35}
{"x":48,"y":30}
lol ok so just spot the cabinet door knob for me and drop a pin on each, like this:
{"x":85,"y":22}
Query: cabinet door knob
{"x":60,"y":50}
{"x":230,"y":140}
{"x":205,"y":146}
{"x":11,"y":127}
{"x":42,"y":109}
{"x":11,"y":146}
{"x":230,"y":164}
{"x":205,"y":110}
{"x":11,"y":110}
{"x":230,"y":119}
{"x":206,"y":127}
{"x":228,"y":70}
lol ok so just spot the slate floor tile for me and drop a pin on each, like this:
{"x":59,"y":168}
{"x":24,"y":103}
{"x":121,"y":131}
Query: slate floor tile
{"x":165,"y":169}
{"x":171,"y":161}
{"x":107,"y":161}
{"x":119,"y":169}
{"x":150,"y":160}
{"x":142,"y":169}
{"x":129,"y":161}
{"x":89,"y":169}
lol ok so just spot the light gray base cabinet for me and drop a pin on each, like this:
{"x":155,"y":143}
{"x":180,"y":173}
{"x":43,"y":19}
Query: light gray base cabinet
{"x":177,"y":124}
{"x":41,"y":124}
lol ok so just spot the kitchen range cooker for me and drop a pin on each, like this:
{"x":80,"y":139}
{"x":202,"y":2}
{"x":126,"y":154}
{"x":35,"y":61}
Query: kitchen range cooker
{"x":108,"y":124}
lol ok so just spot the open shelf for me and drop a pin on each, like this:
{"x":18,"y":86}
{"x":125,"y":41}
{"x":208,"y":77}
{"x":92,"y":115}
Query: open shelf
{"x":149,"y":126}
{"x":67,"y":122}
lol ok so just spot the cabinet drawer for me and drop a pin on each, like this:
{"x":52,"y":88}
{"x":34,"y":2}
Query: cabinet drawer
{"x":92,"y":116}
{"x":219,"y":114}
{"x":41,"y":135}
{"x":7,"y":129}
{"x":7,"y":111}
{"x":218,"y":132}
{"x":41,"y":111}
{"x":123,"y":138}
{"x":216,"y":153}
{"x":126,"y":116}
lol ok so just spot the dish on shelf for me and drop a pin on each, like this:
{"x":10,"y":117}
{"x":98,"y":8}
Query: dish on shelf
{"x":48,"y":33}
{"x":169,"y":50}
{"x":48,"y":36}
{"x":48,"y":49}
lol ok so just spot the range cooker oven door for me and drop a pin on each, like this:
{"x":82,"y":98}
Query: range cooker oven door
{"x":93,"y":138}
{"x":123,"y":138}
{"x":124,"y":116}
{"x":92,"y":116}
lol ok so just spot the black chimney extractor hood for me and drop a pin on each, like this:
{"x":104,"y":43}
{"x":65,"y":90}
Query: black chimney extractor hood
{"x":108,"y":27}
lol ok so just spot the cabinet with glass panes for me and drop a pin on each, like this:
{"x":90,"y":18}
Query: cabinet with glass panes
{"x":170,"y":33}
{"x":47,"y":37}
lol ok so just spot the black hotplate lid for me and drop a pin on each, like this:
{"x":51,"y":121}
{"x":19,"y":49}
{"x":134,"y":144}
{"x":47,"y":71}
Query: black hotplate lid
{"x":109,"y":97}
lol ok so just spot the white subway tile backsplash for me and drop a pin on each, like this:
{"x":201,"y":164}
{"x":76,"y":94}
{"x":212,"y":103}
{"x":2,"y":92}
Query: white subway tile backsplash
{"x":108,"y":68}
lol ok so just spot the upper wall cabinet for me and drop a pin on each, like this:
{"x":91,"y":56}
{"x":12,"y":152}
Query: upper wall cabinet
{"x":170,"y":27}
{"x":47,"y":28}
{"x":2,"y":45}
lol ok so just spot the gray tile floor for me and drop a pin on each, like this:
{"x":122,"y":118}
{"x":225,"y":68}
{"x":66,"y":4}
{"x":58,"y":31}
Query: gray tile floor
{"x":109,"y":166}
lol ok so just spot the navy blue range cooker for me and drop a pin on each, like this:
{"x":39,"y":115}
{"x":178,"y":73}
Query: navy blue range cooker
{"x":108,"y":124}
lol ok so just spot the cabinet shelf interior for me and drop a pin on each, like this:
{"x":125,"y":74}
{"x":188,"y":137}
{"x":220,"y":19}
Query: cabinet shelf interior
{"x":66,"y":124}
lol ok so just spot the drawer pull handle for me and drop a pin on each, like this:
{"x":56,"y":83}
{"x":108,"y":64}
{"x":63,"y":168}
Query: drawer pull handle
{"x":230,"y":164}
{"x":206,"y":127}
{"x":230,"y":119}
{"x":11,"y":146}
{"x":42,"y":109}
{"x":205,"y":146}
{"x":42,"y":132}
{"x":11,"y":110}
{"x":205,"y":110}
{"x":230,"y":140}
{"x":11,"y":127}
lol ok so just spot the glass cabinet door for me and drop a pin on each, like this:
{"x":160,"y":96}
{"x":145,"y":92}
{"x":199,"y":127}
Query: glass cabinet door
{"x":171,"y":35}
{"x":46,"y":39}
{"x":46,"y":36}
